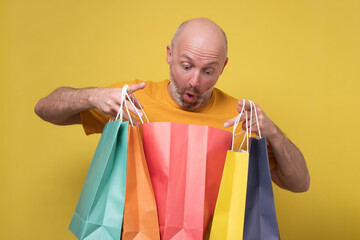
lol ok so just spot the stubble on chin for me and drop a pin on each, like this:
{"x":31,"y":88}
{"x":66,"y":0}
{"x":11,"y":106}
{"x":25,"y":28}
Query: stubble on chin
{"x":178,"y":93}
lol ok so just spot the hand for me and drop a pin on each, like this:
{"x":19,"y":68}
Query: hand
{"x":291,"y":171}
{"x":267,"y":127}
{"x":108,"y":101}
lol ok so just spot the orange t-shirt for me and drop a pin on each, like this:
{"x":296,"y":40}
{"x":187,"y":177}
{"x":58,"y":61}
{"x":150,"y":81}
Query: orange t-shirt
{"x":160,"y":107}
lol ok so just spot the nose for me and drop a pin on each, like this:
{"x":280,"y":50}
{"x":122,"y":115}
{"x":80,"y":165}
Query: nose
{"x":195,"y":79}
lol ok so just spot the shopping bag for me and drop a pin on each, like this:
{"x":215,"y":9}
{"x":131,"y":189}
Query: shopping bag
{"x":99,"y":212}
{"x":100,"y":209}
{"x":140,"y":213}
{"x":228,"y":220}
{"x":185,"y":164}
{"x":260,"y":216}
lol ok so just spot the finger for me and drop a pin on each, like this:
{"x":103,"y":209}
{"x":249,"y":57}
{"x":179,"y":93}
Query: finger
{"x":243,"y":117}
{"x":254,"y":128}
{"x":136,"y":101}
{"x":230,"y":122}
{"x":241,"y":104}
{"x":251,"y":121}
{"x":133,"y":119}
{"x":125,"y":111}
{"x":110,"y":108}
{"x":247,"y":107}
{"x":127,"y":115}
{"x":136,"y":111}
{"x":135,"y":87}
{"x":252,"y":118}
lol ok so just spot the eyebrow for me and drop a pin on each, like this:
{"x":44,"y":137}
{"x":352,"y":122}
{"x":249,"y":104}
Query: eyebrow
{"x":190,"y":59}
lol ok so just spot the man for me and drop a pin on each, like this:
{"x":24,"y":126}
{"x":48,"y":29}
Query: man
{"x":197,"y":57}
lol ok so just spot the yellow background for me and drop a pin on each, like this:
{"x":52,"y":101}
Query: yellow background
{"x":299,"y":60}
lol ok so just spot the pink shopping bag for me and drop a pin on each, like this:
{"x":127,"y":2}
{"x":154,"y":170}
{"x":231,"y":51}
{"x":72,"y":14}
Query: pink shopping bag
{"x":185,"y":164}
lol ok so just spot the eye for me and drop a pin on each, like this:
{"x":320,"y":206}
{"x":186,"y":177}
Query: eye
{"x":186,"y":67}
{"x":208,"y":71}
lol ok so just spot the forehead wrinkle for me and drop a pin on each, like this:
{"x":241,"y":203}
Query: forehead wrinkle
{"x":200,"y":53}
{"x":206,"y":64}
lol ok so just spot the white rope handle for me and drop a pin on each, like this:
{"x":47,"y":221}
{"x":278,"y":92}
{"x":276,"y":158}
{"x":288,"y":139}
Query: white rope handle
{"x":251,"y":111}
{"x":252,"y":104}
{"x":246,"y":136}
{"x":123,"y":104}
{"x":123,"y":90}
{"x":142,"y":109}
{"x":126,"y":97}
{"x":237,"y":121}
{"x":248,"y":125}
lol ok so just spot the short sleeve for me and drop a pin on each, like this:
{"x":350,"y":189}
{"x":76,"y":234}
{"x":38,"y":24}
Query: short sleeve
{"x":93,"y":121}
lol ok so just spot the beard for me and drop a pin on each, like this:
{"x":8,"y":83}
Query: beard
{"x":179,"y":94}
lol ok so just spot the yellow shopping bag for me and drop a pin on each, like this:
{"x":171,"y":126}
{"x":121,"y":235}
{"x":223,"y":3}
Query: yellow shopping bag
{"x":228,"y":220}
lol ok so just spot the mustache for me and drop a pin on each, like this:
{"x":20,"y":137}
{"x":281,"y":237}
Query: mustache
{"x":192,"y":90}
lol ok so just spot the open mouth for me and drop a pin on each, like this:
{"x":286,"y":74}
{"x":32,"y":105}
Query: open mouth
{"x":190,"y":97}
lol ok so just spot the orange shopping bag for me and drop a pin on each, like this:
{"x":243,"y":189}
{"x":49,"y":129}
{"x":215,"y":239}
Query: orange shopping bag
{"x":140,"y":214}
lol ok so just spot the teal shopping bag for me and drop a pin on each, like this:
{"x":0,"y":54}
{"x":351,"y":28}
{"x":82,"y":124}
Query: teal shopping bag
{"x":100,"y":209}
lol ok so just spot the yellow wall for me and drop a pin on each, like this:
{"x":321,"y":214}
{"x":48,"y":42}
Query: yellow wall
{"x":299,"y":60}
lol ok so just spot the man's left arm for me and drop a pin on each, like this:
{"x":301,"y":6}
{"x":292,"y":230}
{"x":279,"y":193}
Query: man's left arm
{"x":291,"y":172}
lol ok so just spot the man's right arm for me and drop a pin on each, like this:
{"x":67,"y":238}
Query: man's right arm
{"x":63,"y":106}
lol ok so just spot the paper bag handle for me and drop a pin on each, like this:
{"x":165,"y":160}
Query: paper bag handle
{"x":126,"y":97}
{"x":252,"y":105}
{"x":237,"y":121}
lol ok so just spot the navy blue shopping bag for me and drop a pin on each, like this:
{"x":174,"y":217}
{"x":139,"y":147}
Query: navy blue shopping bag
{"x":260,"y":217}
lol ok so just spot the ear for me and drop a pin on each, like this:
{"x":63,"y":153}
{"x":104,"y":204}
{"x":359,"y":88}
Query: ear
{"x":226,"y":61}
{"x":168,"y":54}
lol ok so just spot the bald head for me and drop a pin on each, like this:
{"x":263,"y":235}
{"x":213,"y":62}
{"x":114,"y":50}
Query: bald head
{"x":204,"y":32}
{"x":197,"y":57}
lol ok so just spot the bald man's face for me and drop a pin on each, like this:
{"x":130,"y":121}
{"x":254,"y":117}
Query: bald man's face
{"x":196,"y":62}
